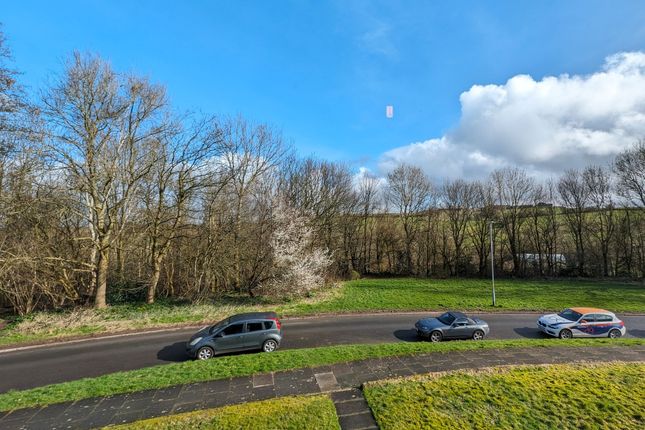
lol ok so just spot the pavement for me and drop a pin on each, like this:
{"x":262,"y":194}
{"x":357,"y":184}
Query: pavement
{"x":343,"y":381}
{"x":35,"y":367}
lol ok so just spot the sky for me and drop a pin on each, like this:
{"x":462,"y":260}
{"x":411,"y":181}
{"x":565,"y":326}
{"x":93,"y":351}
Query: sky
{"x":475,"y":85}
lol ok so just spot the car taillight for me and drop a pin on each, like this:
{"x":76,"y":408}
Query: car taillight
{"x":277,"y":323}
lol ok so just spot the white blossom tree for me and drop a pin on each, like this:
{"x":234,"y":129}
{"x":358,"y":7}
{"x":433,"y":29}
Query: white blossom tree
{"x":298,"y":266}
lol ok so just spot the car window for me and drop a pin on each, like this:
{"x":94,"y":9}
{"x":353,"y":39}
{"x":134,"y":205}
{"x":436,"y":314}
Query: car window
{"x":461,"y":321}
{"x":603,"y":318}
{"x":589,"y":318}
{"x":471,"y":322}
{"x":254,"y":326}
{"x":219,"y":325}
{"x":233,"y":329}
{"x":446,"y":318}
{"x":570,"y":314}
{"x":268,"y":325}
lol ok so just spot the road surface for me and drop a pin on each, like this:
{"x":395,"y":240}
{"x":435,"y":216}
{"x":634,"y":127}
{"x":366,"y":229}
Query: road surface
{"x":64,"y":362}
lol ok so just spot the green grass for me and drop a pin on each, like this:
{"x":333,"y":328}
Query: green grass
{"x":303,"y":412}
{"x":408,"y":294}
{"x":249,"y":364}
{"x":366,"y":295}
{"x":577,"y":396}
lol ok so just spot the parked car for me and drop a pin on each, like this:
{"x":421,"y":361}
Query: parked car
{"x":257,"y":330}
{"x":582,"y":322}
{"x":451,"y":325}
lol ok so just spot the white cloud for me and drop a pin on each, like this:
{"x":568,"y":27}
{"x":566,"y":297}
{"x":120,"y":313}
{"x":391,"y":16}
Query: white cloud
{"x":544,"y":126}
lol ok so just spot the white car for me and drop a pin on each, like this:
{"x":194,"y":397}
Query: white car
{"x":582,"y":322}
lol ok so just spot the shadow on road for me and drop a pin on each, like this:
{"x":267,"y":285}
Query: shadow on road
{"x":175,"y":352}
{"x":409,"y":335}
{"x":636,"y":333}
{"x":530,"y":333}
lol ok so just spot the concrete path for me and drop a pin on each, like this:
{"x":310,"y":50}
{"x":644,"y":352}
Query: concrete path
{"x":343,"y":381}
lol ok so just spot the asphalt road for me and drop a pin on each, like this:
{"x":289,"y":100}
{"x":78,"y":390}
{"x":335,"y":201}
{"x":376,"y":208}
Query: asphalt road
{"x":64,"y":362}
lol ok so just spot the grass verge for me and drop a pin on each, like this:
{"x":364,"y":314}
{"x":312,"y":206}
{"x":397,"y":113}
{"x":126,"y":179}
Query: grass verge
{"x":302,"y":412}
{"x":409,"y":294}
{"x":249,"y":364}
{"x":365,"y":295}
{"x":572,"y":396}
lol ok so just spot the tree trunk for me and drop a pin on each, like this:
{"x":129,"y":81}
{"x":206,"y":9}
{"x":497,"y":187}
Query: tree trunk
{"x":101,"y":270}
{"x":154,"y":281}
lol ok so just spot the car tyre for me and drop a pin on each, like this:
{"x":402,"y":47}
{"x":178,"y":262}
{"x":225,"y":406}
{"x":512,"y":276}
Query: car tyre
{"x":565,"y":333}
{"x":435,"y":336}
{"x":269,"y":345}
{"x":478,"y":335}
{"x":205,"y":353}
{"x":614,"y":334}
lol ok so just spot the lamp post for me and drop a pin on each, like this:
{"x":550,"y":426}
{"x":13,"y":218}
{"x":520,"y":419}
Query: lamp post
{"x":492,"y":261}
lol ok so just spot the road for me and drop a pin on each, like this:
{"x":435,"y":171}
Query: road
{"x":64,"y":362}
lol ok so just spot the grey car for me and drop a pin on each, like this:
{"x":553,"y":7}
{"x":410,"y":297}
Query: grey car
{"x":451,"y":325}
{"x":257,"y":330}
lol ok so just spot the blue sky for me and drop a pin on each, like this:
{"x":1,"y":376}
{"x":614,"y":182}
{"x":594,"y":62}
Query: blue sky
{"x":323,"y":71}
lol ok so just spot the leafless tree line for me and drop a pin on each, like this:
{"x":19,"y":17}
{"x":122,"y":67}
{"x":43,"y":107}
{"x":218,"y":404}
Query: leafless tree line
{"x":108,"y":194}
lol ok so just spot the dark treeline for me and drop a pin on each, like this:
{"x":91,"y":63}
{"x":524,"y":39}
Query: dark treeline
{"x":108,"y":194}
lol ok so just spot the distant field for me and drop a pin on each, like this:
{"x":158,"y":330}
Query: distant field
{"x":365,"y":295}
{"x":408,"y":294}
{"x":578,"y":396}
{"x":304,"y":412}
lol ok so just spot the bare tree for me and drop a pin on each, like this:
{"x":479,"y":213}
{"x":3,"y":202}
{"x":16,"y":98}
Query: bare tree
{"x":602,"y":224}
{"x":457,"y":199}
{"x":630,"y":170}
{"x":249,"y":153}
{"x":101,"y":125}
{"x":484,"y":213}
{"x":408,"y":191}
{"x":180,"y":172}
{"x":368,"y":200}
{"x":574,"y":193}
{"x":513,"y":194}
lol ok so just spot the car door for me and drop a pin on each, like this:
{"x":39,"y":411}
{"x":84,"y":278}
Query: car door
{"x":602,"y":324}
{"x":585,"y":326}
{"x":255,"y":334}
{"x":459,"y":329}
{"x":230,"y":338}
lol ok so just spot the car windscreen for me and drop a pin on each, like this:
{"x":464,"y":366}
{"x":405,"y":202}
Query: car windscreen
{"x":218,"y":325}
{"x":446,"y":318}
{"x":570,"y":315}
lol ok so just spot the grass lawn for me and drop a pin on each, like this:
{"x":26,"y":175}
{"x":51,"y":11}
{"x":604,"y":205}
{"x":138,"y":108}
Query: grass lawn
{"x":248,"y":364}
{"x":578,"y":396}
{"x":398,"y":294}
{"x":302,"y":412}
{"x":408,"y":294}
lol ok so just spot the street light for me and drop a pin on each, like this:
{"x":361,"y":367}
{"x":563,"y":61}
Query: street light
{"x":492,"y":260}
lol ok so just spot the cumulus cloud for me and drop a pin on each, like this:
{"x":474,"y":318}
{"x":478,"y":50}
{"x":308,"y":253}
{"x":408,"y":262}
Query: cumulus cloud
{"x":544,"y":126}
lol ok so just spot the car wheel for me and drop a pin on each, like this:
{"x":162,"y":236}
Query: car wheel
{"x":269,"y":345}
{"x":615,"y":334}
{"x":435,"y":336}
{"x":478,"y":335}
{"x":565,"y":334}
{"x":205,"y":352}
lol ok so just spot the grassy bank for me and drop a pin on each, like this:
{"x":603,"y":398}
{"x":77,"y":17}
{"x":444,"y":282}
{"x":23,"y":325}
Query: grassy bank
{"x":408,"y":294}
{"x":249,"y":364}
{"x":303,"y":412}
{"x":367,"y":295}
{"x":578,"y":396}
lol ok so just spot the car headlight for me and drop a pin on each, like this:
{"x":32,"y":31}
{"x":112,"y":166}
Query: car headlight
{"x":195,"y":341}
